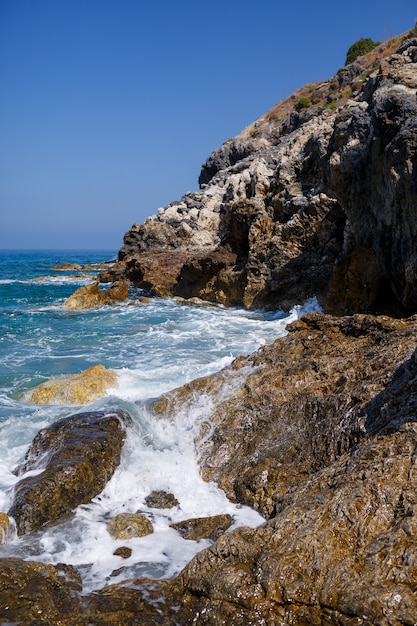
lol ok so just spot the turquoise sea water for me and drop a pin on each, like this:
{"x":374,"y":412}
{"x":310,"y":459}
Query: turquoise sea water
{"x":154,"y":347}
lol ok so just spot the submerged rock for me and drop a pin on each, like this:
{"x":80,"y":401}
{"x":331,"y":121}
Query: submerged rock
{"x":78,"y":455}
{"x":129,"y":525}
{"x":83,"y":388}
{"x":91,"y":295}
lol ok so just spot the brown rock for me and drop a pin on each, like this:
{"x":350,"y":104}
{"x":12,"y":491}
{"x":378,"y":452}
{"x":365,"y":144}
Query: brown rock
{"x":36,"y":593}
{"x":161,"y":500}
{"x":91,"y":295}
{"x":82,"y":388}
{"x":123,"y":551}
{"x":79,"y":455}
{"x":203,"y":527}
{"x":128,"y":525}
{"x":294,"y":406}
{"x":342,"y":551}
{"x":4,"y":526}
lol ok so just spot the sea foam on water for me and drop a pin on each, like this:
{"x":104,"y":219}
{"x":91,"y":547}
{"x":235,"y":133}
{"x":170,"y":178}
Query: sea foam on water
{"x":154,"y":348}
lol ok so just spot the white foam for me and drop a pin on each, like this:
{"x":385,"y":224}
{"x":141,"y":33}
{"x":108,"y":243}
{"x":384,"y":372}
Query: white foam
{"x":154,"y":348}
{"x":158,"y":455}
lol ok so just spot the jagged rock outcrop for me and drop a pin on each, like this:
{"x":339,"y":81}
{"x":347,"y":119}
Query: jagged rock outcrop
{"x":372,"y":171}
{"x":78,"y":455}
{"x":91,"y":295}
{"x":295,"y":406}
{"x":316,"y":198}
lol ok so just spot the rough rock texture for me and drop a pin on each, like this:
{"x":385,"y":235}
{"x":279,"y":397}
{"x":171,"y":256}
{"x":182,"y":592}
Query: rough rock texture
{"x":128,"y":525}
{"x":327,"y":417}
{"x":78,"y":456}
{"x":83,"y":388}
{"x":293,"y":407}
{"x":4,"y":526}
{"x":198,"y":528}
{"x":372,"y":171}
{"x":161,"y":500}
{"x":327,"y":177}
{"x":91,"y":295}
{"x":36,"y":593}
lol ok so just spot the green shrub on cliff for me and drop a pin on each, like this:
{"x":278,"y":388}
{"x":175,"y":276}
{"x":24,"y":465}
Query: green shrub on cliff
{"x":303,"y":103}
{"x":362,"y":46}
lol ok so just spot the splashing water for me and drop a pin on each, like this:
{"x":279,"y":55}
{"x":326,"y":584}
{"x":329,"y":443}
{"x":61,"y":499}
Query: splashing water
{"x":154,"y":347}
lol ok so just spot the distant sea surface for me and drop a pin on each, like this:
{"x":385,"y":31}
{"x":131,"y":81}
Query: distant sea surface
{"x":154,"y":347}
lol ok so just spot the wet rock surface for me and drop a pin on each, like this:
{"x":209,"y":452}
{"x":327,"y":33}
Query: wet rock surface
{"x":318,"y":431}
{"x":78,"y":455}
{"x":91,"y":295}
{"x":83,"y":388}
{"x":161,"y":500}
{"x":203,"y":527}
{"x":294,"y":406}
{"x":128,"y":525}
{"x":36,"y":593}
{"x":4,"y":526}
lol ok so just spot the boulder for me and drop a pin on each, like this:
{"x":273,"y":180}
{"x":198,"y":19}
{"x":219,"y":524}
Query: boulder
{"x":83,"y":388}
{"x":78,"y":455}
{"x":91,"y":295}
{"x":161,"y":500}
{"x":129,"y":525}
{"x":123,"y":551}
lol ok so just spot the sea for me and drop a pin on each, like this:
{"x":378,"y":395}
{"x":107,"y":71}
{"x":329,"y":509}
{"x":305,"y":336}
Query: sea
{"x":154,"y":347}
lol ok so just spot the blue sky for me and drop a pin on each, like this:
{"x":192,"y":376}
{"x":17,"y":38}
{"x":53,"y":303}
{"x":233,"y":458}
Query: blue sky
{"x":108,"y":108}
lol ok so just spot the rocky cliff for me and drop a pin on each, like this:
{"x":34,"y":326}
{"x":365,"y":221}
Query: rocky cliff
{"x":315,"y":198}
{"x":318,"y":430}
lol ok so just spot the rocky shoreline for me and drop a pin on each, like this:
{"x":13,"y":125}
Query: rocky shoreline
{"x":317,"y":431}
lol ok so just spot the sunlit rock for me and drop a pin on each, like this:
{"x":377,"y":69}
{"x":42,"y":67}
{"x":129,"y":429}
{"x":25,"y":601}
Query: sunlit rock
{"x":129,"y":525}
{"x":4,"y":526}
{"x":91,"y":295}
{"x":83,"y":388}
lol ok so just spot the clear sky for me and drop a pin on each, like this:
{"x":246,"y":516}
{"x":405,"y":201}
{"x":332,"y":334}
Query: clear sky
{"x":108,"y":108}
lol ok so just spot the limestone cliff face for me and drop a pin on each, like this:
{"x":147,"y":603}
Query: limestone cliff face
{"x":316,"y":197}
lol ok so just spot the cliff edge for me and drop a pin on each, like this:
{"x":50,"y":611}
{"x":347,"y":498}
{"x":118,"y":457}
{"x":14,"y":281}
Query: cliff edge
{"x":315,"y":198}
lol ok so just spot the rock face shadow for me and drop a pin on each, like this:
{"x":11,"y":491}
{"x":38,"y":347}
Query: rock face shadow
{"x":396,"y":404}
